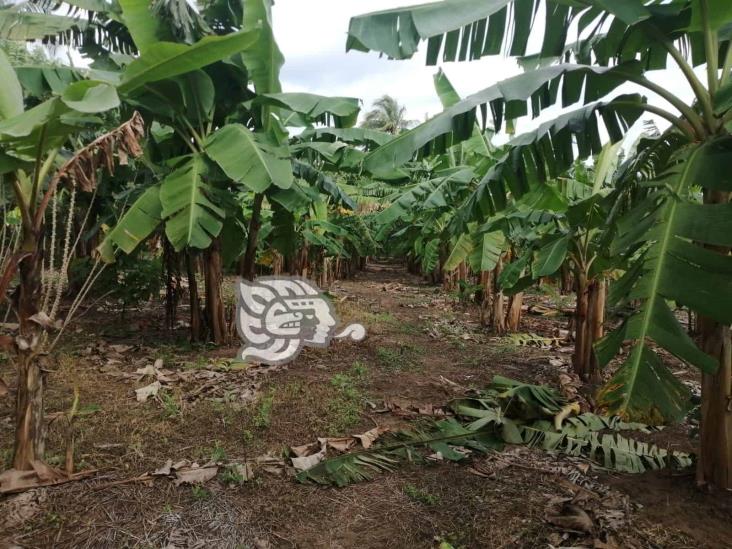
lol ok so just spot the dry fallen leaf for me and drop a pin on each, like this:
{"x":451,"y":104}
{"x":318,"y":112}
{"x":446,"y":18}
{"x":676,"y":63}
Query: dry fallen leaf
{"x":572,"y":518}
{"x":147,"y":371}
{"x":341,"y":444}
{"x":17,"y":510}
{"x":121,"y":349}
{"x":245,"y":470}
{"x":368,"y":438}
{"x":308,"y":462}
{"x":42,"y":319}
{"x":305,"y":449}
{"x":195,"y":475}
{"x":164,"y":470}
{"x":146,"y":392}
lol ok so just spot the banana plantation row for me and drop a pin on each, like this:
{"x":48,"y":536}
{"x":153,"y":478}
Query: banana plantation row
{"x":177,"y":150}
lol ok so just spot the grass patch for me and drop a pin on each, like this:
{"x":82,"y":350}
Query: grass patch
{"x":344,"y":408}
{"x":405,"y":357}
{"x":263,"y":415}
{"x":388,"y":320}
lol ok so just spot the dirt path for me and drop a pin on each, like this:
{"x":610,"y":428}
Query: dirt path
{"x":423,"y":349}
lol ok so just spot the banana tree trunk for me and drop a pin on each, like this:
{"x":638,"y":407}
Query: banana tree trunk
{"x":215,"y":312}
{"x":171,"y":271}
{"x":498,"y":316}
{"x":249,"y":263}
{"x":565,"y":286}
{"x":513,"y":317}
{"x":196,"y":332}
{"x":579,"y":360}
{"x":715,"y":452}
{"x":595,"y":326}
{"x":29,"y":429}
{"x":486,"y":283}
{"x":714,"y":466}
{"x":589,"y":326}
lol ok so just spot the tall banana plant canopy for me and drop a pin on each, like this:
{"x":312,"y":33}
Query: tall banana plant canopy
{"x":586,"y":55}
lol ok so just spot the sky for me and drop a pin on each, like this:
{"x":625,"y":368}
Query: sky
{"x":312,"y":37}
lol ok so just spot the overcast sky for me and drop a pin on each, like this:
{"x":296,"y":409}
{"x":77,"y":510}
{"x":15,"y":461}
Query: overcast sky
{"x":312,"y":36}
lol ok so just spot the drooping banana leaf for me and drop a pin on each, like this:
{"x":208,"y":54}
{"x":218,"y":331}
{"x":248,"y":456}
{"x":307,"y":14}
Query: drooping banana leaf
{"x":191,"y":217}
{"x":510,"y":99}
{"x":168,"y":59}
{"x":460,"y":30}
{"x":547,"y":152}
{"x":323,"y":183}
{"x":665,"y":233}
{"x":249,"y":158}
{"x":314,"y":109}
{"x":28,"y":25}
{"x":138,"y":223}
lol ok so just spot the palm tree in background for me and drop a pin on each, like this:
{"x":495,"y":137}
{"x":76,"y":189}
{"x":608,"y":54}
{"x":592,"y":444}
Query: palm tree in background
{"x":387,"y":115}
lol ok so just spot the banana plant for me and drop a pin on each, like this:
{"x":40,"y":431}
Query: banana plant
{"x":620,"y":42}
{"x":216,"y":140}
{"x":32,"y":144}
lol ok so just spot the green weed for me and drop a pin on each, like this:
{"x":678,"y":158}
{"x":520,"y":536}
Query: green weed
{"x":217,"y":454}
{"x":199,"y":493}
{"x":171,"y":406}
{"x":263,"y":417}
{"x":420,"y":496}
{"x":231,"y":475}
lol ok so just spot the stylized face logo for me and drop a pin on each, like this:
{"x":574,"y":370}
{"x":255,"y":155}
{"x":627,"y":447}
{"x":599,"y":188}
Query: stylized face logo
{"x":278,"y":316}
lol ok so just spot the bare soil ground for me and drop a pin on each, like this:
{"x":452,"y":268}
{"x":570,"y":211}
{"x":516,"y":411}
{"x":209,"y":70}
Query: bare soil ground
{"x":423,"y":348}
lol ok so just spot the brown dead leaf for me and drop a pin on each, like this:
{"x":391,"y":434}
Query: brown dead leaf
{"x":340,"y":444}
{"x":165,"y":470}
{"x":180,"y":464}
{"x":195,"y":475}
{"x":271,"y":464}
{"x":573,"y":518}
{"x":42,"y":319}
{"x":147,"y":371}
{"x":146,"y":392}
{"x":14,"y":481}
{"x":609,"y":544}
{"x":245,"y":470}
{"x":304,"y":463}
{"x":305,"y":449}
{"x":120,"y":349}
{"x":6,"y":342}
{"x":3,"y":388}
{"x":368,"y":438}
{"x":17,"y":510}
